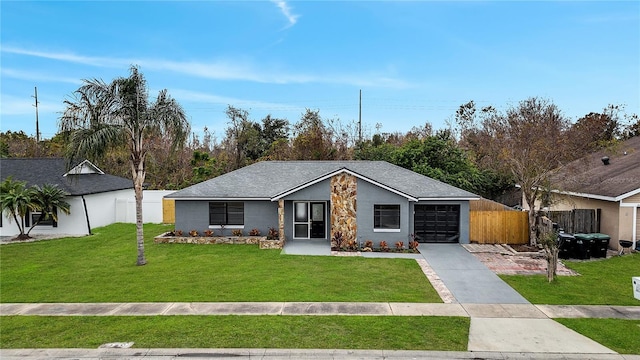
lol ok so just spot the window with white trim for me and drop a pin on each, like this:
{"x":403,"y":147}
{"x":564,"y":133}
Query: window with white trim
{"x":32,"y":217}
{"x":226,"y":213}
{"x":386,"y":217}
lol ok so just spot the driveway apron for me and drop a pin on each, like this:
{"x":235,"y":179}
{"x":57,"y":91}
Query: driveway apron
{"x":470,"y":281}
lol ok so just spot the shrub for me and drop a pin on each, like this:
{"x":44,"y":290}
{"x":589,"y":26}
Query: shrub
{"x":384,"y":246}
{"x":337,"y":241}
{"x":368,"y":244}
{"x":236,"y":232}
{"x":400,"y":245}
{"x":178,"y":232}
{"x":351,"y":245}
{"x":413,"y":245}
{"x":254,"y":232}
{"x":273,"y":234}
{"x":208,"y":232}
{"x":193,"y":233}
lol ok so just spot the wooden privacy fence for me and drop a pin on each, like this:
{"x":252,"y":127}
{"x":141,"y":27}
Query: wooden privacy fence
{"x":168,"y":211}
{"x":499,"y":227}
{"x":577,"y":220}
{"x":494,"y":223}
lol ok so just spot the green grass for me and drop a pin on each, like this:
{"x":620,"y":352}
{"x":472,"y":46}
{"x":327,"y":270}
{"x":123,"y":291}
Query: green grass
{"x":303,"y":332}
{"x":622,"y":336}
{"x":601,"y":282}
{"x":101,"y":268}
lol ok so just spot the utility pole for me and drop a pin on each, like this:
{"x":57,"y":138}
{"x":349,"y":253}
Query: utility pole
{"x":37,"y":125}
{"x":360,"y":118}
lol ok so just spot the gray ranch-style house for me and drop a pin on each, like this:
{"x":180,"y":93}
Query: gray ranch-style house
{"x":363,"y":200}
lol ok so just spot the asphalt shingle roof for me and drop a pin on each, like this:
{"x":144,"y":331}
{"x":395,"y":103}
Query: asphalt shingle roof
{"x":269,"y":179}
{"x":589,"y":175}
{"x":40,"y":171}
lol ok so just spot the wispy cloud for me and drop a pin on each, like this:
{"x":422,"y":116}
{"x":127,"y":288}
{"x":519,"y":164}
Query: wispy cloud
{"x":37,"y":76}
{"x":14,"y":105}
{"x":286,"y":11}
{"x":232,"y":69}
{"x":212,"y":99}
{"x":66,"y":57}
{"x":610,"y":18}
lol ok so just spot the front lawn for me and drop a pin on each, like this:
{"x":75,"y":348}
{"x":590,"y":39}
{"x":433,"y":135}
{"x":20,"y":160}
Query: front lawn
{"x":622,"y":336}
{"x":601,"y":282}
{"x":101,"y":268}
{"x":302,"y":332}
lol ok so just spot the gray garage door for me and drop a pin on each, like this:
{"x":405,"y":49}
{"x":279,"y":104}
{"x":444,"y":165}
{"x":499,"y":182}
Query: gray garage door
{"x":437,"y":223}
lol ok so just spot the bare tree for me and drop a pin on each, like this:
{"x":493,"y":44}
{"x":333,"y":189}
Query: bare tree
{"x":528,"y":141}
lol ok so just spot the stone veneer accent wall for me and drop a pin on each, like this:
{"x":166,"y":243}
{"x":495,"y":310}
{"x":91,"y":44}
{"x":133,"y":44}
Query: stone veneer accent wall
{"x":343,"y":206}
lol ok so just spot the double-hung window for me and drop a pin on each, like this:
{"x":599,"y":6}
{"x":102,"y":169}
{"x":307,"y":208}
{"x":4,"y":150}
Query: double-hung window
{"x":32,"y":217}
{"x":226,"y":213}
{"x":386,"y":218}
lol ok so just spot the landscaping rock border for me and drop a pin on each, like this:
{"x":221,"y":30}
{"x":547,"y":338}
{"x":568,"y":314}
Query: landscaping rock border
{"x":220,"y":240}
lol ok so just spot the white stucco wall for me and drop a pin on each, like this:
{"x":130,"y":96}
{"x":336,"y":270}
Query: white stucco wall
{"x":151,"y":206}
{"x":103,"y":209}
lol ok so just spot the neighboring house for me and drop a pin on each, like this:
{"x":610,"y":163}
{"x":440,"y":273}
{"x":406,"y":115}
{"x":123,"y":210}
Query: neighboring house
{"x":608,"y":180}
{"x":363,"y":200}
{"x":93,"y":195}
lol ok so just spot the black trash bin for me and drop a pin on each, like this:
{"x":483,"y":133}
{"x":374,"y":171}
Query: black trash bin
{"x":583,"y":246}
{"x":600,"y":245}
{"x":566,"y":245}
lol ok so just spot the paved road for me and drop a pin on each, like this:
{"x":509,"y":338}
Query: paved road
{"x":278,"y":354}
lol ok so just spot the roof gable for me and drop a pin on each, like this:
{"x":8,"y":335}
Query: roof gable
{"x":85,"y":167}
{"x":271,"y":180}
{"x":343,"y":170}
{"x":84,"y":180}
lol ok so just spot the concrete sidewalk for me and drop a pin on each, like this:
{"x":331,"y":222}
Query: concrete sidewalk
{"x":506,"y":311}
{"x":494,"y":328}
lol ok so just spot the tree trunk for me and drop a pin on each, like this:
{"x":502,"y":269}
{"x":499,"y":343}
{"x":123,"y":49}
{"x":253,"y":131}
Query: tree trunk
{"x":532,"y":228}
{"x":138,"y":180}
{"x":551,"y":253}
{"x":530,"y":198}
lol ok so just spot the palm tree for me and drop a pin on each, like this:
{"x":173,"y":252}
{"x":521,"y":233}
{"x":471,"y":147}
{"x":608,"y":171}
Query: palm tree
{"x":101,"y":116}
{"x":49,"y":199}
{"x":17,"y":200}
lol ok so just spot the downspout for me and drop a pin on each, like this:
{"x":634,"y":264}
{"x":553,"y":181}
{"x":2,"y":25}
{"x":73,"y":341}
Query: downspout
{"x":86,"y":213}
{"x":634,"y":234}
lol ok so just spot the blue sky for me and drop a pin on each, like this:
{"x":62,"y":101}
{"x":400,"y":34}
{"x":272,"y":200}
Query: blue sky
{"x":415,"y":61}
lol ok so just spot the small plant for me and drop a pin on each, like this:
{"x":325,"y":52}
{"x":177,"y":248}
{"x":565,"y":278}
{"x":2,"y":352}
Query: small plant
{"x":273,"y":234}
{"x":208,"y":232}
{"x":193,"y":233}
{"x":368,"y":244}
{"x":400,"y":245}
{"x":254,"y":232}
{"x":337,"y":241}
{"x":236,"y":232}
{"x":384,"y":246}
{"x":351,"y":245}
{"x":178,"y":232}
{"x":413,"y":245}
